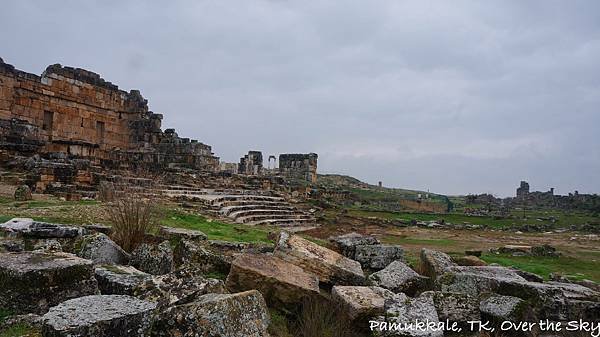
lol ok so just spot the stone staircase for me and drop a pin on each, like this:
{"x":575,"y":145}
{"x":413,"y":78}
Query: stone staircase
{"x":251,"y":207}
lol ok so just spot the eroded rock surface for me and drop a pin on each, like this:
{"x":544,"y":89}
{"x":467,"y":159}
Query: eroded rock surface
{"x":435,"y":263}
{"x":153,"y":259}
{"x":399,"y":278}
{"x":182,"y":234}
{"x":119,"y":280}
{"x":99,"y":316}
{"x":346,"y":244}
{"x":377,"y":257}
{"x":102,"y":250}
{"x":216,"y":315}
{"x":279,"y":281}
{"x":28,"y":228}
{"x":359,"y":302}
{"x":31,"y":282}
{"x":329,"y":266}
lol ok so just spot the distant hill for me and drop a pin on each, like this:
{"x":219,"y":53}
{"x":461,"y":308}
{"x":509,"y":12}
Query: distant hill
{"x":373,"y":194}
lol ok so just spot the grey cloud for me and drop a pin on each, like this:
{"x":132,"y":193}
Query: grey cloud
{"x":455,"y":97}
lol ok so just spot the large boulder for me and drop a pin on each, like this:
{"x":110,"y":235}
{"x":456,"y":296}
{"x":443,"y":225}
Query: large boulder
{"x":399,"y":278}
{"x":280,"y":282}
{"x":402,"y":310}
{"x":346,"y":244}
{"x":377,"y":257}
{"x":119,"y":280}
{"x":23,"y":193}
{"x":153,"y":259}
{"x":330,"y":267}
{"x":216,"y":315}
{"x":102,"y":250}
{"x":361,"y":303}
{"x":99,"y":316}
{"x":31,"y":282}
{"x":25,"y":227}
{"x":455,"y":307}
{"x":181,"y":286}
{"x":435,"y":263}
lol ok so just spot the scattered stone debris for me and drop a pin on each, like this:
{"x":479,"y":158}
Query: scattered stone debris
{"x":182,"y":234}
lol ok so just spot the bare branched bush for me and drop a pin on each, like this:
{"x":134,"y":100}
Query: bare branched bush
{"x":132,"y":217}
{"x":321,"y":318}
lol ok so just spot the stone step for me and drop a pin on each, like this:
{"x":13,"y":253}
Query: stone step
{"x":253,"y":218}
{"x":262,"y":211}
{"x":230,"y":203}
{"x":253,"y":206}
{"x":283,"y":222}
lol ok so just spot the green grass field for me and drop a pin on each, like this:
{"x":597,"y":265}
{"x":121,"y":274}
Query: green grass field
{"x":214,"y":229}
{"x":564,"y":219}
{"x":573,"y":268}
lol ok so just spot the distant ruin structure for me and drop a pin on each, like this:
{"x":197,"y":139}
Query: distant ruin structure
{"x":251,"y":164}
{"x":523,"y":190}
{"x":299,"y":166}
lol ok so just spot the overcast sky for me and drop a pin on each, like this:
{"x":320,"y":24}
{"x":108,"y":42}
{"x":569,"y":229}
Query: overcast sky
{"x":451,"y":96}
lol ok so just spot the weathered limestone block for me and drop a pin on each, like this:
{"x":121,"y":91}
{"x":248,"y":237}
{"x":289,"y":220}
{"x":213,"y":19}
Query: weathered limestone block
{"x":377,"y":257}
{"x":455,"y":307}
{"x":99,"y":316}
{"x":153,"y":259}
{"x":31,"y":282}
{"x":23,"y":193}
{"x":280,"y":282}
{"x":399,"y":278}
{"x":182,"y":286}
{"x":361,"y":303}
{"x":182,"y":234}
{"x":204,"y":259}
{"x":346,"y":244}
{"x":102,"y":250}
{"x":552,"y":300}
{"x":28,"y":228}
{"x":330,"y":267}
{"x":119,"y":280}
{"x":224,"y":315}
{"x":404,"y":310}
{"x":503,"y":308}
{"x":476,"y":281}
{"x":435,"y":263}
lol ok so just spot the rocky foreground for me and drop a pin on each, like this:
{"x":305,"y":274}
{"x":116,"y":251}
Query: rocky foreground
{"x":72,"y":281}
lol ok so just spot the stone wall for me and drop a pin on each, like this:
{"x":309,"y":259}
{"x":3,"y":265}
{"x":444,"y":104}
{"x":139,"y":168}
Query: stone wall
{"x":74,"y":112}
{"x":299,"y":166}
{"x":251,"y":164}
